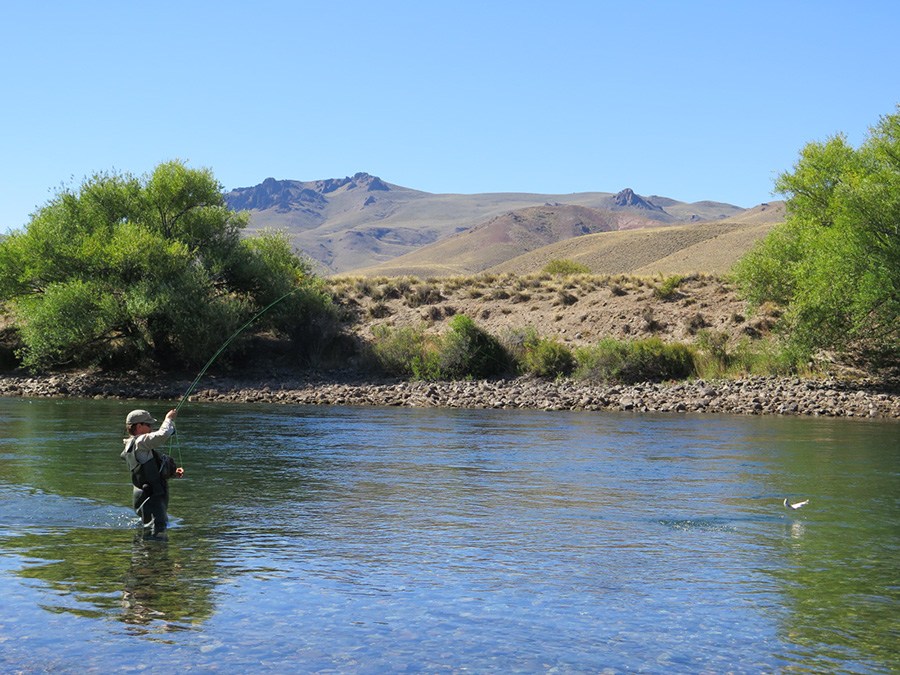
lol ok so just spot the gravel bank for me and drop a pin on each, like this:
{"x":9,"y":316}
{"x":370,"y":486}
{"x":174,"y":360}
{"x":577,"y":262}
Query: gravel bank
{"x":750,"y":396}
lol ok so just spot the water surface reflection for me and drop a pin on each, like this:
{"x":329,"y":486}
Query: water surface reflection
{"x":362,"y":540}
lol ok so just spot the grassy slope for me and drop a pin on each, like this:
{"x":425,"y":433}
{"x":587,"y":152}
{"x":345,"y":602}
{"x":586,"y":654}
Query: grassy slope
{"x":710,"y":248}
{"x":505,"y":237}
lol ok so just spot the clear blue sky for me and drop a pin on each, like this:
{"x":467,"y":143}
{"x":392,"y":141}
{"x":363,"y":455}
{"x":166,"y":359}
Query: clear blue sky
{"x":690,"y":100}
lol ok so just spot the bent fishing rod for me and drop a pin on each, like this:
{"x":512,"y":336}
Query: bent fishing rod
{"x":227,"y":342}
{"x":216,"y":355}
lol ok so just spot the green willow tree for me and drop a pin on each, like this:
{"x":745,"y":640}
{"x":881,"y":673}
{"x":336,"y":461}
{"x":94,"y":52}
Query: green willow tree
{"x":835,"y":262}
{"x":126,"y":269}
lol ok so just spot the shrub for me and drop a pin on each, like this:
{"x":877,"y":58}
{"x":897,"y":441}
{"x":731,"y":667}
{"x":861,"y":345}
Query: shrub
{"x":773,"y":357}
{"x":668,"y":288}
{"x":465,"y":351}
{"x":714,"y":359}
{"x":565,"y":267}
{"x":366,"y":288}
{"x":314,"y":327}
{"x":379,"y":310}
{"x":565,"y":298}
{"x":388,"y":291}
{"x":650,"y":323}
{"x":714,"y":343}
{"x":517,"y":340}
{"x":549,"y":359}
{"x":539,"y":356}
{"x":468,"y":351}
{"x":520,"y":296}
{"x":634,"y":361}
{"x":718,"y":357}
{"x":695,"y":322}
{"x":499,"y":294}
{"x":424,"y":294}
{"x":400,"y":351}
{"x":126,"y":269}
{"x":833,"y":263}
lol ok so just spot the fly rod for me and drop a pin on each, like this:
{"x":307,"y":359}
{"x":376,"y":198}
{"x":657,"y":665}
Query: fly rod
{"x":227,"y":342}
{"x":216,"y":355}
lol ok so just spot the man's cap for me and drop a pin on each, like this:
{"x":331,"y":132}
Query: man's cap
{"x":139,"y":417}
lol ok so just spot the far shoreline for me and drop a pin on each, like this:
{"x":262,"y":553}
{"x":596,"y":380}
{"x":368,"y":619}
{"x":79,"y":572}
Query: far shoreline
{"x":828,"y":397}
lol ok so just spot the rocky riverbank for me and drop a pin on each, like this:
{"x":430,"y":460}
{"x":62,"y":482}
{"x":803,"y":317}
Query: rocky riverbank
{"x":749,"y":396}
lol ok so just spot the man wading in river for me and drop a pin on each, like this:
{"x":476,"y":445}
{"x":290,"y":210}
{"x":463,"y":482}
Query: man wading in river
{"x":150,"y":470}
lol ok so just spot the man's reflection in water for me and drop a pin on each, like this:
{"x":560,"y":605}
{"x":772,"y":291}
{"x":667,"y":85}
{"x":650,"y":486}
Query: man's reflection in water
{"x":152,"y":592}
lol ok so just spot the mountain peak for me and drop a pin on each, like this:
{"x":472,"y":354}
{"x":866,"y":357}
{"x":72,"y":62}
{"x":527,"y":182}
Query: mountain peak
{"x":628,"y":198}
{"x":359,"y":220}
{"x":287,"y":196}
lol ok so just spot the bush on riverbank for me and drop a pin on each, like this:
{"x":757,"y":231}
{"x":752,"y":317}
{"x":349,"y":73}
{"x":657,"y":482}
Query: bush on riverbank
{"x":126,"y":271}
{"x":631,"y":361}
{"x":717,"y":356}
{"x":468,"y":352}
{"x":697,"y":330}
{"x":532,"y":354}
{"x":465,"y":351}
{"x":833,"y":263}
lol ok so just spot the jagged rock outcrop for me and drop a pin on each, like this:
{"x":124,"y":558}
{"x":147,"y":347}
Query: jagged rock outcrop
{"x":627,"y":198}
{"x":281,"y":195}
{"x":292,"y":195}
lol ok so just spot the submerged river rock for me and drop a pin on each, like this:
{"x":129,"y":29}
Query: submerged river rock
{"x":750,"y":396}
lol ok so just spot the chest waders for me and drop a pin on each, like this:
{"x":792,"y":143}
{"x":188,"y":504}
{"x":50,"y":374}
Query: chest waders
{"x":151,"y":490}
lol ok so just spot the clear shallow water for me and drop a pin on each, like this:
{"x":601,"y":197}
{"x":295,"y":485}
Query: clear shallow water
{"x":373,"y":540}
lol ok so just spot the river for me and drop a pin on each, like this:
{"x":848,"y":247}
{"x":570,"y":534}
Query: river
{"x":364,"y":540}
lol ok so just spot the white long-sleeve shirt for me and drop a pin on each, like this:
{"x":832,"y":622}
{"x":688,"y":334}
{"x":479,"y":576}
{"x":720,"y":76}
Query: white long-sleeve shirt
{"x":145,"y":443}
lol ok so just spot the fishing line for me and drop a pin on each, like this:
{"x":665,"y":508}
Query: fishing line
{"x":221,"y":349}
{"x":227,"y":342}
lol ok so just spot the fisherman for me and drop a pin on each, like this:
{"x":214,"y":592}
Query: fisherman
{"x":150,"y":469}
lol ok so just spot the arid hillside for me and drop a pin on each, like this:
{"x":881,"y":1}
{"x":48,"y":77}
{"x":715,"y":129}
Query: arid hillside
{"x":704,"y":248}
{"x":523,"y":242}
{"x":577,"y":310}
{"x":507,"y":237}
{"x":356,"y":222}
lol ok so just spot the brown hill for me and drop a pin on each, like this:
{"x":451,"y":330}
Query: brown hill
{"x":505,"y":237}
{"x":709,"y":248}
{"x":624,"y":244}
{"x":770,"y":212}
{"x":361,"y":220}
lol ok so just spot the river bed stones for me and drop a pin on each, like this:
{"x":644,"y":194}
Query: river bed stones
{"x":747,"y":396}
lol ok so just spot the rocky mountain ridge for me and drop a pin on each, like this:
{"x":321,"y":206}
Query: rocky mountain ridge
{"x":358,"y":221}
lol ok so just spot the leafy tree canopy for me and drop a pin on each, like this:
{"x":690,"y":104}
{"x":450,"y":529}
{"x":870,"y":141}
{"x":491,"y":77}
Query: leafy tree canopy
{"x":835,"y":262}
{"x":127,"y":268}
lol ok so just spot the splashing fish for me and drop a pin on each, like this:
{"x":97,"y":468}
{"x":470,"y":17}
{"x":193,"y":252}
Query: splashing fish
{"x":796,"y":505}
